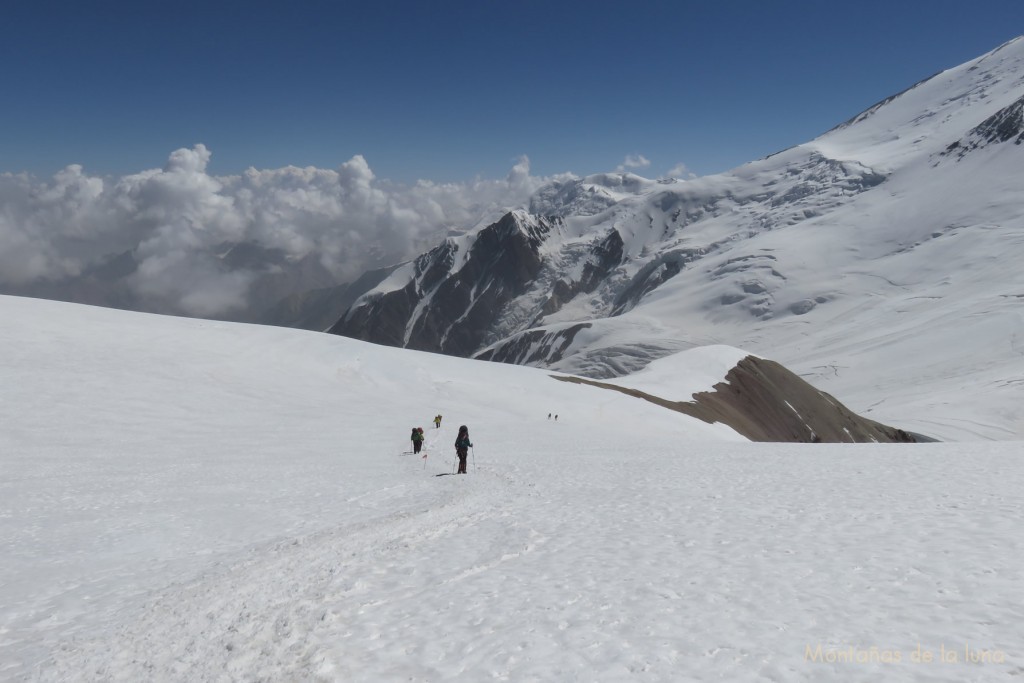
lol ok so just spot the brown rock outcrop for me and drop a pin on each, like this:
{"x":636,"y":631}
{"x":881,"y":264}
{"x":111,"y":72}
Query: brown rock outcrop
{"x":764,"y":401}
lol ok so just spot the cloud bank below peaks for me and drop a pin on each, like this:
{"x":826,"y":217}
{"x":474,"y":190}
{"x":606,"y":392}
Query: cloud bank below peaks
{"x":178,"y":222}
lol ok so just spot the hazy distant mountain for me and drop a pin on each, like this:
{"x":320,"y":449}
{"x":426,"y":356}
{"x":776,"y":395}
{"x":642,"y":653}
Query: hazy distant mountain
{"x":318,"y":309}
{"x":849,"y":259}
{"x":295,"y":293}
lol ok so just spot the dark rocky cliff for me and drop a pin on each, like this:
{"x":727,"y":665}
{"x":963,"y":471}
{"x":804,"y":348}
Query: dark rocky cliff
{"x":447,"y":309}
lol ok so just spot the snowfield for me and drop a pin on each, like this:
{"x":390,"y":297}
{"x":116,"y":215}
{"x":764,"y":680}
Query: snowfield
{"x":184,"y":500}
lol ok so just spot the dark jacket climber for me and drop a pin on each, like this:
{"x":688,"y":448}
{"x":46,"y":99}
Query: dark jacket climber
{"x":462,"y":446}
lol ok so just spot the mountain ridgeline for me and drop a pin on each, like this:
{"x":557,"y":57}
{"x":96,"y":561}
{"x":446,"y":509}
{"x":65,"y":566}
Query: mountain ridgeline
{"x":465,"y":294}
{"x":506,"y":291}
{"x":864,"y":238}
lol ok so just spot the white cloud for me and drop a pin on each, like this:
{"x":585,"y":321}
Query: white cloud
{"x":633,"y":161}
{"x":176,"y":218}
{"x":680,"y":171}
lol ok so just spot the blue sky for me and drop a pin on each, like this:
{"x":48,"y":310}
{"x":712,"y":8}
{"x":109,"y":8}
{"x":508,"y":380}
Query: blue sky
{"x":449,"y":91}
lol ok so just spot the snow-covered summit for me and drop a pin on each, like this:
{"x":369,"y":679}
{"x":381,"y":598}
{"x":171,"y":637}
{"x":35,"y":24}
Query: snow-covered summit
{"x":853,"y":259}
{"x":926,"y":118}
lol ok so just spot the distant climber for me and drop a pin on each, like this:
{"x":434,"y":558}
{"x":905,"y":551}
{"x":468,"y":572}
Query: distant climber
{"x":462,"y":446}
{"x":437,"y":422}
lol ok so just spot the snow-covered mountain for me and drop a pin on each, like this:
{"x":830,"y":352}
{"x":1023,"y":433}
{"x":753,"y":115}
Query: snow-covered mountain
{"x":871,"y":261}
{"x":193,"y":500}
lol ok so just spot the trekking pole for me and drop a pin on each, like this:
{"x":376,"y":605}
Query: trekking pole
{"x":474,"y":457}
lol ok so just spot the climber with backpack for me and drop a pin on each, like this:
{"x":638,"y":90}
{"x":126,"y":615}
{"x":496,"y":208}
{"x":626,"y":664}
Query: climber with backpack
{"x":462,"y":446}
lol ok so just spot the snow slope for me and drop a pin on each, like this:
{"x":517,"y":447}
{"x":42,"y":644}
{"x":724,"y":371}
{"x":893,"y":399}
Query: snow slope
{"x":186,"y":500}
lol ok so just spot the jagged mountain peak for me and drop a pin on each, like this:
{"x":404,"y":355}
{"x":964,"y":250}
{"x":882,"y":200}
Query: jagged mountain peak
{"x":519,"y":221}
{"x":448,"y":299}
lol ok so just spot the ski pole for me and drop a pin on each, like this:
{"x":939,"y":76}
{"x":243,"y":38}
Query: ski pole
{"x":474,"y":457}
